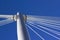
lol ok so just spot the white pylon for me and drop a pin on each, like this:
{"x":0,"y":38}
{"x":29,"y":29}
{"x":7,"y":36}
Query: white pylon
{"x":21,"y":31}
{"x":19,"y":28}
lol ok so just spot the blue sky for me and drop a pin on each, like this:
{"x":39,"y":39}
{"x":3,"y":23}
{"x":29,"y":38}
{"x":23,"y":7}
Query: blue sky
{"x":35,"y":7}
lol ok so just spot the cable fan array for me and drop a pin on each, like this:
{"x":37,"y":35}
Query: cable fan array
{"x":46,"y":24}
{"x":6,"y":21}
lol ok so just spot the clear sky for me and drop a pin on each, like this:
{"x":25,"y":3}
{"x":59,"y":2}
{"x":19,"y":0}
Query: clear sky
{"x":35,"y":7}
